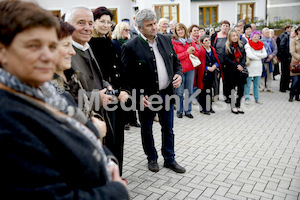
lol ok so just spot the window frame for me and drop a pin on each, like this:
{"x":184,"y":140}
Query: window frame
{"x":247,"y":9}
{"x":156,"y":7}
{"x":56,"y":13}
{"x":210,"y":14}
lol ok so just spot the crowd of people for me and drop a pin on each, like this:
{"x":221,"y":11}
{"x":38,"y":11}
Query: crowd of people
{"x":66,"y":87}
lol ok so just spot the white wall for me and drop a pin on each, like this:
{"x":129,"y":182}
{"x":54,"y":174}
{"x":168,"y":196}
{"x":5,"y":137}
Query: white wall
{"x":188,"y":11}
{"x":122,"y":6}
{"x":184,"y":7}
{"x":227,"y":10}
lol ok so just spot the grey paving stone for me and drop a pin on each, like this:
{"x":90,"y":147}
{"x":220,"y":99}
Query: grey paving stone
{"x":250,"y":156}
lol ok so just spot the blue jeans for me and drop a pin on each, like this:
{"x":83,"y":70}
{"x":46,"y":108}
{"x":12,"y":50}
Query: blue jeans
{"x":295,"y":87}
{"x":187,"y":83}
{"x":166,"y":120}
{"x":256,"y":80}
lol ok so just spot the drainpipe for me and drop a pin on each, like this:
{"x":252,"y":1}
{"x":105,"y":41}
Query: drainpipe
{"x":267,"y":13}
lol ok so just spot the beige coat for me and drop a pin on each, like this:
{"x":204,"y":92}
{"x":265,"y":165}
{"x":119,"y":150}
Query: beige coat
{"x":295,"y":51}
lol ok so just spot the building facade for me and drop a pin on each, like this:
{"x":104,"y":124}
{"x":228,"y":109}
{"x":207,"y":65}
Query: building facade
{"x":202,"y":12}
{"x":287,"y":9}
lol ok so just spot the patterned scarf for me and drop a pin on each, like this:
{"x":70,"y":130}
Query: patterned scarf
{"x":269,"y":48}
{"x":196,"y":40}
{"x":268,"y":45}
{"x":237,"y":52}
{"x":184,"y":40}
{"x":48,"y":94}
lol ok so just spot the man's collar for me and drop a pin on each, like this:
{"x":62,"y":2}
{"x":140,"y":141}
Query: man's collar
{"x":146,"y":39}
{"x":81,"y":47}
{"x":136,"y":29}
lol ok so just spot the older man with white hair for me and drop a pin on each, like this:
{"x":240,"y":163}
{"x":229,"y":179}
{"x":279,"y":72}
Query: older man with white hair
{"x":271,"y":48}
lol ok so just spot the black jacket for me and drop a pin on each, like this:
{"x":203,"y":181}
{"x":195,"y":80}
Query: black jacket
{"x":284,"y":47}
{"x":140,"y":66}
{"x":44,"y":158}
{"x":108,"y":60}
{"x":232,"y":73}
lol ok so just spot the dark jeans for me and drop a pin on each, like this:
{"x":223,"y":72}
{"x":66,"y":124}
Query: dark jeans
{"x":295,"y":88}
{"x":205,"y":97}
{"x":285,"y":75}
{"x":216,"y":83}
{"x":236,"y":98}
{"x":226,"y":83}
{"x":166,"y":120}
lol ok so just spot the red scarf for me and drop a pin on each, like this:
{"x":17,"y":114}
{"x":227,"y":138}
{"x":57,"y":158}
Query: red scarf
{"x":237,"y":52}
{"x":256,"y":46}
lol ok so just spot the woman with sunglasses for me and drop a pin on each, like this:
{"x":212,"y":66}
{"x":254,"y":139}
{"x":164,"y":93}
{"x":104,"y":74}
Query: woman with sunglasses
{"x":205,"y":74}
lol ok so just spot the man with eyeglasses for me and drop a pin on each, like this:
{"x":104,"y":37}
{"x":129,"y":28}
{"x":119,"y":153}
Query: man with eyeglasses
{"x":152,"y":69}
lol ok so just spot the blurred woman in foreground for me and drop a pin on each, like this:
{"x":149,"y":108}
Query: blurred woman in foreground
{"x":45,"y":152}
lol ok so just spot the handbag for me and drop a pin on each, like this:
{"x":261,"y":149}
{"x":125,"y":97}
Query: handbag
{"x":275,"y":60}
{"x":295,"y":67}
{"x":195,"y":60}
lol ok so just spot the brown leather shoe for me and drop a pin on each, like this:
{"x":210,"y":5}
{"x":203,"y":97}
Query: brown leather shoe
{"x":175,"y":167}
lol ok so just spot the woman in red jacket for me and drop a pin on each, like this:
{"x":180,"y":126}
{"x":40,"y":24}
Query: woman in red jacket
{"x":183,"y":47}
{"x":205,"y":74}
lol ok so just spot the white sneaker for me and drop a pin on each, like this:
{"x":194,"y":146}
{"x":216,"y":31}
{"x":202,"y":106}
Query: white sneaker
{"x":258,"y":102}
{"x":247,"y":102}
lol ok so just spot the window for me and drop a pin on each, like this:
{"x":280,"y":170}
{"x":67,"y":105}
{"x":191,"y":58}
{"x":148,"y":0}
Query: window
{"x":208,"y":15}
{"x":246,"y":11}
{"x":171,"y":12}
{"x":56,"y":13}
{"x":114,"y":12}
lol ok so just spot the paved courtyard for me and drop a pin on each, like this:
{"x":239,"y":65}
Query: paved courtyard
{"x":227,"y":156}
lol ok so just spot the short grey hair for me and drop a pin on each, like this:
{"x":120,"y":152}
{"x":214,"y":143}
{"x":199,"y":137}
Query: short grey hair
{"x":172,"y":22}
{"x":264,"y":29}
{"x":70,"y":14}
{"x":242,"y":20}
{"x":143,"y":15}
{"x":162,"y":20}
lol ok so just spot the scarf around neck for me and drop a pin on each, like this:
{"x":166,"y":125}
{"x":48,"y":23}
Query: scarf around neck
{"x":268,"y":45}
{"x":237,"y":52}
{"x":256,"y":46}
{"x":196,"y":40}
{"x":46,"y":93}
{"x":184,"y":40}
{"x":122,"y":41}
